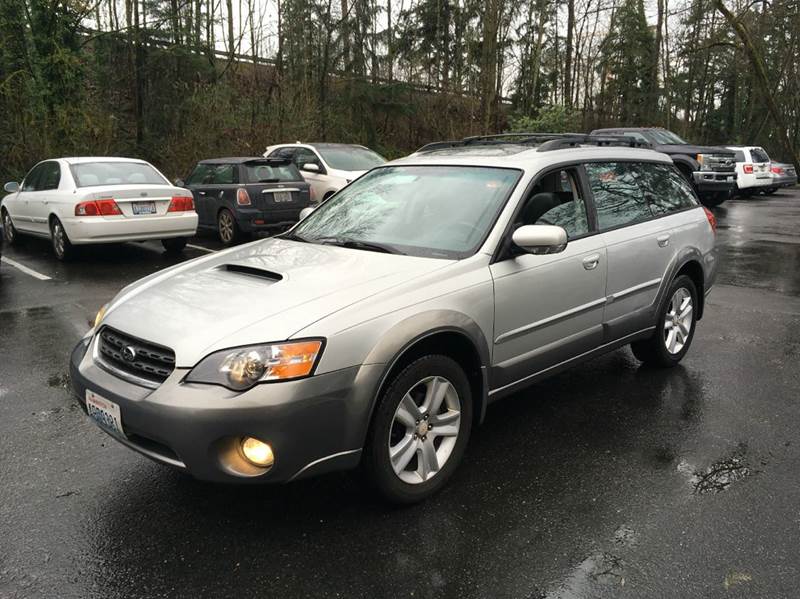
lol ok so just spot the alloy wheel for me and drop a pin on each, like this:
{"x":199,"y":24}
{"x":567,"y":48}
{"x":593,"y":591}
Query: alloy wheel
{"x":424,"y":429}
{"x":678,"y":321}
{"x":225,"y":226}
{"x":58,"y":239}
{"x":8,"y":227}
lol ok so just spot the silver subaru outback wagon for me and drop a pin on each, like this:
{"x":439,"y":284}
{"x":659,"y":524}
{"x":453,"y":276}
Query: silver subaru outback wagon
{"x":379,"y":328}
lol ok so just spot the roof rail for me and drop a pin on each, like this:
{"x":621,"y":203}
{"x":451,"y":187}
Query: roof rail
{"x":519,"y":138}
{"x":574,"y":140}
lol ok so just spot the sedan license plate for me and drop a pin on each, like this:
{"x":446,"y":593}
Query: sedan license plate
{"x":104,"y":412}
{"x":144,"y":208}
{"x":281,"y":197}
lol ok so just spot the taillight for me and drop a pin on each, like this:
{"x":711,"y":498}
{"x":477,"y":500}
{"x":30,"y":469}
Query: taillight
{"x":777,"y":170}
{"x":181,"y":204}
{"x":242,"y":197}
{"x":712,"y":220}
{"x":104,"y":207}
{"x":748,"y":169}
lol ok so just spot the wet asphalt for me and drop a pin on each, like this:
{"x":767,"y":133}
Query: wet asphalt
{"x":610,"y":480}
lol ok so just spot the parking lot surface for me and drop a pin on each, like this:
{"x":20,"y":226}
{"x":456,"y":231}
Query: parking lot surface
{"x":609,"y":480}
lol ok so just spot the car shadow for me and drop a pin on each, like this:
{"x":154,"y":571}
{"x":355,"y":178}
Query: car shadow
{"x":552,"y":466}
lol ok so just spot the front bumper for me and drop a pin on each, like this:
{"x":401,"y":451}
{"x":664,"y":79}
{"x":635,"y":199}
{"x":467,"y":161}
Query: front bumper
{"x":314,"y":425}
{"x":714,"y":181}
{"x":118,"y":229}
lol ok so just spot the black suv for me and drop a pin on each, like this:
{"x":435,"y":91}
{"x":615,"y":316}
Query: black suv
{"x":239,"y":196}
{"x":711,"y":170}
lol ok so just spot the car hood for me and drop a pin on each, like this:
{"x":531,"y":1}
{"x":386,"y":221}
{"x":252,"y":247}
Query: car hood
{"x":264,"y":291}
{"x":692,"y":149}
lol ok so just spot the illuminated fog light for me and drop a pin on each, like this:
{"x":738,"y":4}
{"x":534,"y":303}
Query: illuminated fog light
{"x":257,"y":452}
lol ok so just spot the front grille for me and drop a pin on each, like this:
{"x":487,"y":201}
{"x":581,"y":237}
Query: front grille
{"x":719,"y":163}
{"x":133,"y":356}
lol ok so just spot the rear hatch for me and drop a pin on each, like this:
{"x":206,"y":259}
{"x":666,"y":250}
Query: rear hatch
{"x":761,"y":163}
{"x":276,"y":186}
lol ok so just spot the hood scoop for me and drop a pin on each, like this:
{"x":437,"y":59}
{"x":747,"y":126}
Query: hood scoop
{"x":252,"y":271}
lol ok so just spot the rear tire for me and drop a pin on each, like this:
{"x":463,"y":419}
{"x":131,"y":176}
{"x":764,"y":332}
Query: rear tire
{"x":174,"y":245}
{"x":420,"y":430}
{"x":227,"y":228}
{"x":9,"y":231}
{"x":62,"y":247}
{"x":674,"y":327}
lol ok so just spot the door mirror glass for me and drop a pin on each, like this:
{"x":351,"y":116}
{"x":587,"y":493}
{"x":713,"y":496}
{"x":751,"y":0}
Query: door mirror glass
{"x":310,"y":167}
{"x":540,"y":239}
{"x":11,"y":187}
{"x":306,"y":211}
{"x":179,"y":183}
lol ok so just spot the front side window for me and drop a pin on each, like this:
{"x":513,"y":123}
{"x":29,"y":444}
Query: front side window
{"x":351,"y":158}
{"x":305,"y":156}
{"x":433,"y":211}
{"x":91,"y":174}
{"x":30,"y":183}
{"x":556,"y":200}
{"x":665,"y":189}
{"x":618,"y":198}
{"x":201,"y":174}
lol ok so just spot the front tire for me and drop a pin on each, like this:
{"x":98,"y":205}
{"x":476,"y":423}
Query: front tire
{"x":174,"y":245}
{"x":674,"y":328}
{"x":420,"y":430}
{"x":9,"y":231}
{"x":62,"y":247}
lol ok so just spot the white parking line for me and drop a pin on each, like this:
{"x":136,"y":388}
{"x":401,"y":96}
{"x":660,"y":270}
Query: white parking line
{"x":25,"y":269}
{"x":200,"y":247}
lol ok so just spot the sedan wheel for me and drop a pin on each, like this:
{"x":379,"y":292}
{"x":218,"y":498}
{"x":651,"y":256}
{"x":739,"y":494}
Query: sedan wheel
{"x":9,"y":231}
{"x":424,"y":430}
{"x":420,"y":429}
{"x":61,"y":244}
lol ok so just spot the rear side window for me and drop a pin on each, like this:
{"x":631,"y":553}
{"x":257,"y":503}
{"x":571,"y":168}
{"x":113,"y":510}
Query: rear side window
{"x":271,"y":173}
{"x":665,"y":189}
{"x":225,"y":174}
{"x":617,"y":195}
{"x":90,"y":174}
{"x":50,"y":176}
{"x":739,"y":157}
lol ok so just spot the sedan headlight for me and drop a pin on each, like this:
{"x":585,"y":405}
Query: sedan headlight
{"x":240,"y":368}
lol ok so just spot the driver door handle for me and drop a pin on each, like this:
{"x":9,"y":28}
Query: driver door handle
{"x":590,"y":262}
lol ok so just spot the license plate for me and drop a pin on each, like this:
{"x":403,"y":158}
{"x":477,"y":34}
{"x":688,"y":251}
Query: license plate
{"x":144,"y":207}
{"x":104,"y":412}
{"x":731,"y":179}
{"x":281,"y":197}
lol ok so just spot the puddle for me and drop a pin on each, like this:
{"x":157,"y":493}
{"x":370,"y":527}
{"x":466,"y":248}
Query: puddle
{"x":721,"y":474}
{"x":602,"y":568}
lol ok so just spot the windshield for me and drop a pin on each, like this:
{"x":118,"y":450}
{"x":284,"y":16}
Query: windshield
{"x":264,"y":172}
{"x":89,"y":174}
{"x":350,"y":158}
{"x":434,"y":211}
{"x":662,"y":136}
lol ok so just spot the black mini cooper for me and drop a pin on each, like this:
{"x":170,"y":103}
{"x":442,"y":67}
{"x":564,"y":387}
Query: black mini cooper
{"x":241,"y":196}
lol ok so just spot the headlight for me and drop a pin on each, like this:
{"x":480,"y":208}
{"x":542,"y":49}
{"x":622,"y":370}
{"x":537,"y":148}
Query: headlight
{"x":100,"y":313}
{"x":242,"y":367}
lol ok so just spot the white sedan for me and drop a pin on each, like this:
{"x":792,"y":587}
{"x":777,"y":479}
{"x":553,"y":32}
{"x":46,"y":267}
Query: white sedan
{"x":77,"y":201}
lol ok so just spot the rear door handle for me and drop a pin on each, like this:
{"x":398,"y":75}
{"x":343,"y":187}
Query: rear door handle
{"x":663,"y":240}
{"x":202,"y":193}
{"x":590,"y":262}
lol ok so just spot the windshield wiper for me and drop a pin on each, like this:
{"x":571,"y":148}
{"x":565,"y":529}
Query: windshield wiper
{"x":294,"y":237}
{"x":359,"y":245}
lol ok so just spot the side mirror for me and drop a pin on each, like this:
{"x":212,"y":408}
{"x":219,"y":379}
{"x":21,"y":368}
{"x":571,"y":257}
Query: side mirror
{"x":540,"y":239}
{"x":179,"y":183}
{"x":11,"y":187}
{"x":306,"y":211}
{"x":310,"y":167}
